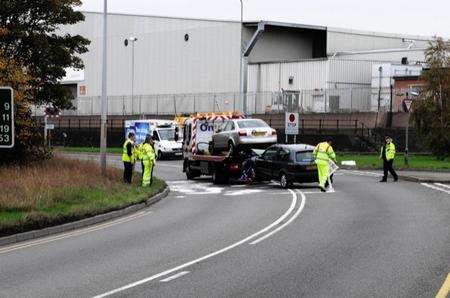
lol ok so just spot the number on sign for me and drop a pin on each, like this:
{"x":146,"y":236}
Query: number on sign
{"x":4,"y":138}
{"x":6,"y":117}
{"x":4,"y":128}
{"x":7,"y":106}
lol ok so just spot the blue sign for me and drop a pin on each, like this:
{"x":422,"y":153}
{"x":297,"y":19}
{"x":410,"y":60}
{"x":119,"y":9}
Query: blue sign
{"x":140,"y":129}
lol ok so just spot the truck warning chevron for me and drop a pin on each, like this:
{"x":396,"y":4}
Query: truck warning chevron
{"x":6,"y":117}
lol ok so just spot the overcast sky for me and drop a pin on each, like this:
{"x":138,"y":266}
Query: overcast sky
{"x":416,"y":17}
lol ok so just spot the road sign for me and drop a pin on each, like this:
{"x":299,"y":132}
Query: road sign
{"x":407,"y":104}
{"x":50,"y":126}
{"x":6,"y":117}
{"x":291,"y":124}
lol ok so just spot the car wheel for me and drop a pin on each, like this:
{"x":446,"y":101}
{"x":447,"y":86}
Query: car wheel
{"x":231,"y":147}
{"x":190,"y":174}
{"x":284,"y":181}
{"x":159,"y":155}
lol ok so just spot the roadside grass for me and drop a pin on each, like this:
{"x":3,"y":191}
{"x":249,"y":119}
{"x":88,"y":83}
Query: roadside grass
{"x":63,"y":190}
{"x":416,"y":161}
{"x":111,"y":150}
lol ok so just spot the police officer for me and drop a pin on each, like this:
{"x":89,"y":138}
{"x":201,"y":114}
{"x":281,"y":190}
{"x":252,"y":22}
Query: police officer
{"x":128,"y":157}
{"x":148,"y":161}
{"x":388,"y":155}
{"x":323,"y":153}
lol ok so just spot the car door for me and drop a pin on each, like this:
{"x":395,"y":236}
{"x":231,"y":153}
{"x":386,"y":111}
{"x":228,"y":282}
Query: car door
{"x":265,"y":162}
{"x":221,"y":136}
{"x":281,"y":161}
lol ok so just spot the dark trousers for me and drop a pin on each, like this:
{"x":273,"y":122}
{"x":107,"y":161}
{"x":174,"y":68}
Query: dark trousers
{"x":127,"y":172}
{"x":388,"y":167}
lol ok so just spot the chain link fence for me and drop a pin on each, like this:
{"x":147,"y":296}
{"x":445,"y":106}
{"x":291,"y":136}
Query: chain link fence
{"x":304,"y":101}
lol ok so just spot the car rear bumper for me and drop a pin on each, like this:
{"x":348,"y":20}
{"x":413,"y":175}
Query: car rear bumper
{"x":256,"y":140}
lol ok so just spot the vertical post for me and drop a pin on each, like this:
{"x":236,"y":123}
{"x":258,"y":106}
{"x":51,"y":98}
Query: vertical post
{"x":175,"y":104}
{"x":132,"y":76}
{"x":45,"y":129}
{"x":241,"y":51}
{"x":406,"y":143}
{"x":103,"y":127}
{"x":194,"y":104}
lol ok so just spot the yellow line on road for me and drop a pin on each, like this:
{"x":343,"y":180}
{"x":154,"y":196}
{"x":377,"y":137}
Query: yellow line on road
{"x":444,"y":292}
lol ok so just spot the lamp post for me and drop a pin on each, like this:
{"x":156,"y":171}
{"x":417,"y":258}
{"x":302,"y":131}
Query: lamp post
{"x":241,"y":53}
{"x":132,"y":39}
{"x":104,"y":106}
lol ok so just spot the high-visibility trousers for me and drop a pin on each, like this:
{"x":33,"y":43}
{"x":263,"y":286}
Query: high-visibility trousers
{"x":148,"y":172}
{"x":323,"y":168}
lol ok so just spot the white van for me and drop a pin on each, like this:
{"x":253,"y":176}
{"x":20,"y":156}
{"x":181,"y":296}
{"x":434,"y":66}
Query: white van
{"x":168,"y":142}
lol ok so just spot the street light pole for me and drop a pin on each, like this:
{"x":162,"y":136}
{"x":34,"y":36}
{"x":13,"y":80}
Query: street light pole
{"x":241,"y":56}
{"x":133,"y":40}
{"x":103,"y":127}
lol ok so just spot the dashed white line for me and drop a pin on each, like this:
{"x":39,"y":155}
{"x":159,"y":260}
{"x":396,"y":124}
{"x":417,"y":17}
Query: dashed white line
{"x":218,"y":252}
{"x":178,"y":275}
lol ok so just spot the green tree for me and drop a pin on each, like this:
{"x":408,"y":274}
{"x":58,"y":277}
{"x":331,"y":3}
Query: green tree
{"x":30,"y":37}
{"x":33,"y":58}
{"x":431,"y":115}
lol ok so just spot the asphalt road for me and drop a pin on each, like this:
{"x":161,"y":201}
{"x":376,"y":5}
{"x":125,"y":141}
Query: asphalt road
{"x":364,"y":240}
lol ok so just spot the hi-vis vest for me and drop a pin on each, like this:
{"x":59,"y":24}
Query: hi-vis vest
{"x":324,"y":152}
{"x":148,"y":153}
{"x":125,"y":157}
{"x":390,"y":151}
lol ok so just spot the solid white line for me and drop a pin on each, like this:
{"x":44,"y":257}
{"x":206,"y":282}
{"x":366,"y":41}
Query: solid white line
{"x":442,"y":185}
{"x":169,"y":271}
{"x":174,"y":276}
{"x":435,"y":188}
{"x":73,"y":233}
{"x":297,"y":213}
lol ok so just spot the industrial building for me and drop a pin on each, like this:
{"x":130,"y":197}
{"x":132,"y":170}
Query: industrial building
{"x":178,"y":65}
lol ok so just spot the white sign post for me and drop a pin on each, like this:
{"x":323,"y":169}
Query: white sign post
{"x":291,"y":125}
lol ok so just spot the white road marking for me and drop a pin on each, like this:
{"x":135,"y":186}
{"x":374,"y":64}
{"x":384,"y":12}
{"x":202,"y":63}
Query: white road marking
{"x":160,"y":165}
{"x":208,"y":256}
{"x":436,"y":188}
{"x":193,"y":188}
{"x":362,"y":173}
{"x":296,"y":214}
{"x":174,"y":276}
{"x":72,"y":233}
{"x":442,"y":185}
{"x":243,"y":192}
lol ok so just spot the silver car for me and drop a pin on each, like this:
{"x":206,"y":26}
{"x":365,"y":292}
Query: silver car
{"x":238,"y":133}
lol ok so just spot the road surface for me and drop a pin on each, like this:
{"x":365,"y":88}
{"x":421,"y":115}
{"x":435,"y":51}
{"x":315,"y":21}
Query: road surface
{"x":364,"y":240}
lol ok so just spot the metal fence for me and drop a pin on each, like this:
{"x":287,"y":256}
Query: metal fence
{"x":304,"y":101}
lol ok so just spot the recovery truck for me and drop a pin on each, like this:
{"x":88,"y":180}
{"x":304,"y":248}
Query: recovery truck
{"x":197,"y":159}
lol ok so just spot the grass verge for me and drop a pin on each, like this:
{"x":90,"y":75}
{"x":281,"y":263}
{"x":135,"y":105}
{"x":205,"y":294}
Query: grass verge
{"x":416,"y":161}
{"x":61,"y":191}
{"x":112,"y":150}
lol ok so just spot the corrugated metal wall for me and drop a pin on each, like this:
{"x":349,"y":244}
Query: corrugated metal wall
{"x":306,"y":75}
{"x":164,"y":62}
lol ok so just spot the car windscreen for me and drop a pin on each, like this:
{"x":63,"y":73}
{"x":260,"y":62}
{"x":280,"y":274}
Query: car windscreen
{"x":167,"y":134}
{"x":304,"y":156}
{"x":253,"y":123}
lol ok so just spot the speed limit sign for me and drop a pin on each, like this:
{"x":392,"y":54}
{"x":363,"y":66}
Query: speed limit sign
{"x":6,"y":117}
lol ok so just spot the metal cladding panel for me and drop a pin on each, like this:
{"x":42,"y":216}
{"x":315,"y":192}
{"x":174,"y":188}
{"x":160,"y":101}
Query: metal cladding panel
{"x":164,"y":62}
{"x":353,"y":72}
{"x":307,"y":75}
{"x":413,"y":56}
{"x":347,"y":40}
{"x":275,"y":76}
